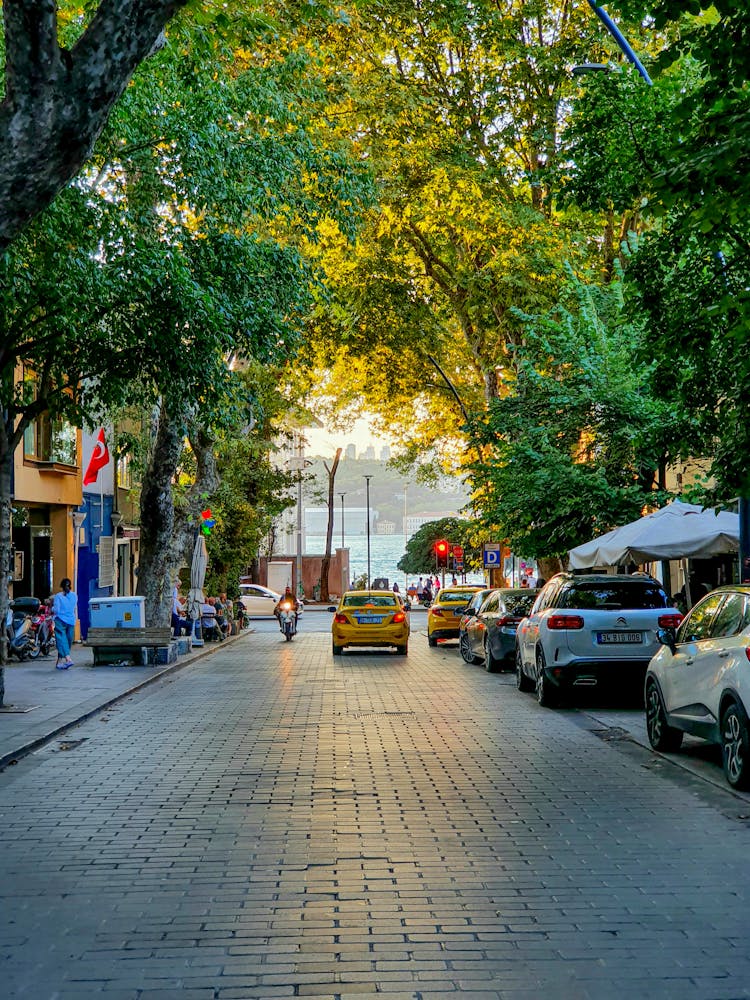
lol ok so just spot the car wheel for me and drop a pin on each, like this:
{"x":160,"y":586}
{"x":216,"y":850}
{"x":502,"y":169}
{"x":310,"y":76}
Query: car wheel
{"x":491,"y":664}
{"x":402,"y":650}
{"x":735,"y":746}
{"x":661,"y":735}
{"x":546,"y":695}
{"x":337,"y":650}
{"x":464,"y":648}
{"x":431,"y":641}
{"x":523,"y":683}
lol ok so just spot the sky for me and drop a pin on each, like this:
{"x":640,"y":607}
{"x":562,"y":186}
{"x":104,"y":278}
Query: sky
{"x":323,"y":442}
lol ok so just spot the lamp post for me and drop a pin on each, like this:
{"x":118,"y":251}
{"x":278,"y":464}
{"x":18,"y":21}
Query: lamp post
{"x":298,"y":463}
{"x":342,"y":495}
{"x":367,"y":492}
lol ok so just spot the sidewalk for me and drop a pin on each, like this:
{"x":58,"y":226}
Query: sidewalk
{"x":41,"y":702}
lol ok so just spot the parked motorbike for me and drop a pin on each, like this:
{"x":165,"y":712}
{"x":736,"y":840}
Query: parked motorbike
{"x":288,"y":620}
{"x":21,"y":636}
{"x":43,"y":625}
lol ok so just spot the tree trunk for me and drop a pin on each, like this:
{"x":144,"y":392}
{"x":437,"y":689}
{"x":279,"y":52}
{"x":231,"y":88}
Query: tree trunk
{"x":549,"y":566}
{"x":155,"y":562}
{"x":56,"y":101}
{"x":325,"y":565}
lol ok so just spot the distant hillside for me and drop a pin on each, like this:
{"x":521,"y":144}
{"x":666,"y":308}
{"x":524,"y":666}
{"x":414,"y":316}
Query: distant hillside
{"x":386,"y":490}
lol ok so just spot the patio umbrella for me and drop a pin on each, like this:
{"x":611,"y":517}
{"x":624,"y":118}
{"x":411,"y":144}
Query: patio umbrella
{"x":677,"y":531}
{"x":195,"y":597}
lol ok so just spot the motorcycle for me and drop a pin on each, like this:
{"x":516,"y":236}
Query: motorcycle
{"x":288,"y":620}
{"x":22,"y":640}
{"x":43,"y":625}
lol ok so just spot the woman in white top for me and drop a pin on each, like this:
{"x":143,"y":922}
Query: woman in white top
{"x":64,"y":609}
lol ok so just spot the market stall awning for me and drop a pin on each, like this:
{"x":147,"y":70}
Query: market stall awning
{"x":677,"y":531}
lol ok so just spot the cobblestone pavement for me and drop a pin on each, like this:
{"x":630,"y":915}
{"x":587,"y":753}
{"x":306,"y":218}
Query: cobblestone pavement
{"x":269,"y":823}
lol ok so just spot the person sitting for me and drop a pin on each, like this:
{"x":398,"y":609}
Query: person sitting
{"x":181,"y":624}
{"x":222,"y":619}
{"x":287,"y":598}
{"x":209,"y":624}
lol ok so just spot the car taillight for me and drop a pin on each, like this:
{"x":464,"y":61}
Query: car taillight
{"x":670,"y":621}
{"x":564,"y":621}
{"x":437,"y":612}
{"x":507,"y":620}
{"x":399,"y":617}
{"x":341,"y":619}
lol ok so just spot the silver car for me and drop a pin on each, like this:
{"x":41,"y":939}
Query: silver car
{"x":588,"y":630}
{"x":699,"y":681}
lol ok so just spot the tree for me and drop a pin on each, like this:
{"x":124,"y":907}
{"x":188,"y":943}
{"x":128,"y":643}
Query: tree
{"x":420,"y":549}
{"x":326,"y":562}
{"x":576,"y":444}
{"x":57,"y":100}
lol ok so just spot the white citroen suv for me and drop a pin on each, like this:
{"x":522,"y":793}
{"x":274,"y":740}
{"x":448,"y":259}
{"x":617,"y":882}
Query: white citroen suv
{"x":699,"y":681}
{"x":590,"y":630}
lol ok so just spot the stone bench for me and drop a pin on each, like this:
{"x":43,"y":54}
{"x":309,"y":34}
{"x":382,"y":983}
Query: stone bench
{"x":112,"y":644}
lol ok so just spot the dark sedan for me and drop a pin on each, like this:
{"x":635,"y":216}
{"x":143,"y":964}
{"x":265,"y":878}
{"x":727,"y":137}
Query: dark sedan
{"x":488,"y":635}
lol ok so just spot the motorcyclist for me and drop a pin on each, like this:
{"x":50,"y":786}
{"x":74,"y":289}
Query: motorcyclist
{"x":287,"y":598}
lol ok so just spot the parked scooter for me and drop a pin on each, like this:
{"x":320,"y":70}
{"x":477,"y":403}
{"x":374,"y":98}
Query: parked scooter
{"x":21,"y":636}
{"x":43,"y":625}
{"x":288,"y":620}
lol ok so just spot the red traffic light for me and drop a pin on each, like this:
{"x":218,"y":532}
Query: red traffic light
{"x":441,"y":552}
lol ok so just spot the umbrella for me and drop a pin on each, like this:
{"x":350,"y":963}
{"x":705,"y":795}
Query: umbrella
{"x":195,"y":597}
{"x":677,"y":531}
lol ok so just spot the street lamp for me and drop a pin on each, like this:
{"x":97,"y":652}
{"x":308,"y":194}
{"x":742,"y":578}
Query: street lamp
{"x":342,"y":495}
{"x":367,"y":491}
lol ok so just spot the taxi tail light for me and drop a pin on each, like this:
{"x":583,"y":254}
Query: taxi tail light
{"x":399,"y":617}
{"x":341,"y":619}
{"x":437,"y":612}
{"x":670,"y":621}
{"x":556,"y":622}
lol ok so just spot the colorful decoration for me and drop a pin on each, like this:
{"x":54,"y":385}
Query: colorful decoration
{"x":207,"y":522}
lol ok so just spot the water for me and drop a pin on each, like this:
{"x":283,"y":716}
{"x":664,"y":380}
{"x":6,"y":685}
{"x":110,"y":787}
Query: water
{"x":385,"y":552}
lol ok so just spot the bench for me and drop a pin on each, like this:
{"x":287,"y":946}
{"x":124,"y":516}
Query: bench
{"x":111,"y":644}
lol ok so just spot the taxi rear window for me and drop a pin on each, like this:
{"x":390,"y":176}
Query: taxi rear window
{"x":368,"y":601}
{"x":456,"y":597}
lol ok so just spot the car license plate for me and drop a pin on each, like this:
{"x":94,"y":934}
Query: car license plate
{"x":610,"y":637}
{"x":370,"y":620}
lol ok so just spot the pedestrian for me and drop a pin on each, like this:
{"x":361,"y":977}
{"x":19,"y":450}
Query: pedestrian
{"x":65,"y":612}
{"x":420,"y":589}
{"x":395,"y":588}
{"x":411,"y":593}
{"x":437,"y":584}
{"x":454,"y":582}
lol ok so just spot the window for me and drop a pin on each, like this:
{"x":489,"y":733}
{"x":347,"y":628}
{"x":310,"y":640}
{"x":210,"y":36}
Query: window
{"x":491,"y":603}
{"x":731,"y":618}
{"x":697,"y":625}
{"x":51,"y":441}
{"x":456,"y":597}
{"x":518,"y":605}
{"x":620,"y":596}
{"x":368,"y":601}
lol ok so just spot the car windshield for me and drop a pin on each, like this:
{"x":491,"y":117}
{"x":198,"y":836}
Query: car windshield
{"x":456,"y":596}
{"x":369,"y":601}
{"x":619,"y":596}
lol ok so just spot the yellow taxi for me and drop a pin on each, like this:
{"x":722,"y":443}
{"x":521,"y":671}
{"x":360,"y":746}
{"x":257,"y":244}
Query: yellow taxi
{"x":444,"y":614}
{"x":370,"y":618}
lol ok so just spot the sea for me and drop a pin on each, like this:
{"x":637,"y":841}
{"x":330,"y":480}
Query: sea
{"x":385,"y":552}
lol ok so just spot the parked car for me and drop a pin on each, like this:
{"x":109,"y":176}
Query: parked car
{"x":370,"y":618}
{"x":469,"y":611}
{"x":488,"y":635}
{"x":444,"y":614}
{"x":258,"y":601}
{"x":699,"y":681}
{"x":588,"y":630}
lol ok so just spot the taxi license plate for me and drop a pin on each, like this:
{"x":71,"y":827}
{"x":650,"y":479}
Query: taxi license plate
{"x":603,"y":638}
{"x":370,"y":620}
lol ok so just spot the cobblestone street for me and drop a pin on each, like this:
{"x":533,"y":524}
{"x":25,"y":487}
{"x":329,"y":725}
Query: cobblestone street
{"x":269,"y":822}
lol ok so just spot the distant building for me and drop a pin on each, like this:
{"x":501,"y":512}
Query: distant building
{"x":369,"y":453}
{"x":385,"y":453}
{"x":385,"y":528}
{"x":351,"y":451}
{"x":413,"y":522}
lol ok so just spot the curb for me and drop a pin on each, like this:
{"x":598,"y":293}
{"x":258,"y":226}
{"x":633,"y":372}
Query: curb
{"x":13,"y":756}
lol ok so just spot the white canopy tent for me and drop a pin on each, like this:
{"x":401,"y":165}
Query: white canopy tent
{"x":677,"y":531}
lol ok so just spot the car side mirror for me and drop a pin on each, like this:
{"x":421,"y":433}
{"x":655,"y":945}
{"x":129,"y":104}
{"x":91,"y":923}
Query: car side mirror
{"x":331,"y":607}
{"x":471,"y":612}
{"x":667,"y":637}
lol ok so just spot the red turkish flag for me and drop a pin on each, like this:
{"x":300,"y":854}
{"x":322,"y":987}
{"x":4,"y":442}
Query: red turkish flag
{"x":99,"y":458}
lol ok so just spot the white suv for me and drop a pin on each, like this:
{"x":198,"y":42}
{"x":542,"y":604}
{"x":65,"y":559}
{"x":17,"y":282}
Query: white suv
{"x":699,"y":681}
{"x":590,"y":629}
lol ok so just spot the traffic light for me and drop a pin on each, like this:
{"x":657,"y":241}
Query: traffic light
{"x":441,"y":552}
